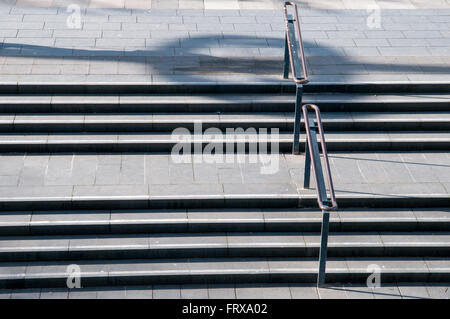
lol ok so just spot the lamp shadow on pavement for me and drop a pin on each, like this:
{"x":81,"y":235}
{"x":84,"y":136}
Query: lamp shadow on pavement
{"x":199,"y":58}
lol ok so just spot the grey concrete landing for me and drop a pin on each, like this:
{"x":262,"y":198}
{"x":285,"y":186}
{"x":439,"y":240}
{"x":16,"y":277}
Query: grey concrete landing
{"x":70,"y":178}
{"x":208,"y":43}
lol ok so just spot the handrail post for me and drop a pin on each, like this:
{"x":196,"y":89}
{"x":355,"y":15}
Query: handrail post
{"x":307,"y":175}
{"x":323,"y":248}
{"x":298,"y":117}
{"x":286,"y":58}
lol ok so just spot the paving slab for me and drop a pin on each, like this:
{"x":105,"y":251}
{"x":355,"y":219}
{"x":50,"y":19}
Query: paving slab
{"x":61,"y":293}
{"x":332,"y":292}
{"x":166,"y":292}
{"x":439,"y":291}
{"x":194,"y":292}
{"x":413,"y":291}
{"x":139,"y":292}
{"x":387,"y":292}
{"x":354,"y":291}
{"x":25,"y":293}
{"x":303,"y":291}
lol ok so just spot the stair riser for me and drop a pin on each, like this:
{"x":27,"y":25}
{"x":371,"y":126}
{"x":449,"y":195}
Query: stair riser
{"x":108,"y":146}
{"x":169,"y":127}
{"x":410,"y":145}
{"x":148,"y":107}
{"x":217,"y":252}
{"x":279,"y":106}
{"x":193,"y":227}
{"x":412,"y":106}
{"x":284,"y":86}
{"x":166,"y":147}
{"x":208,"y":278}
{"x":200,"y":202}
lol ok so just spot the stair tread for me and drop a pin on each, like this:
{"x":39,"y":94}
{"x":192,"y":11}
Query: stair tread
{"x":218,"y":220}
{"x":159,"y":137}
{"x":220,"y":240}
{"x":215,"y":117}
{"x":333,"y":102}
{"x":281,"y":189}
{"x":208,"y":266}
{"x":216,"y":98}
{"x":22,"y":123}
{"x":35,"y":218}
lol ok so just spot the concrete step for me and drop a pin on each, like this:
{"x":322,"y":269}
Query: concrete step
{"x":256,"y":291}
{"x":162,"y":122}
{"x":163,"y":142}
{"x":222,"y":270}
{"x":234,"y":244}
{"x":218,"y":87}
{"x":269,"y":102}
{"x":384,"y":102}
{"x":227,"y":195}
{"x":145,"y":221}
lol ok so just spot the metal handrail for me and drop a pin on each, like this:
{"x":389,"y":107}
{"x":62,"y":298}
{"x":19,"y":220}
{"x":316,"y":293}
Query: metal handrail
{"x":292,"y":61}
{"x":291,"y":46}
{"x":324,"y":204}
{"x":312,"y":155}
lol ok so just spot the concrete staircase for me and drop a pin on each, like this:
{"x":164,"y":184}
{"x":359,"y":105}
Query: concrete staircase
{"x":376,"y":119}
{"x":192,"y":237}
